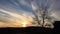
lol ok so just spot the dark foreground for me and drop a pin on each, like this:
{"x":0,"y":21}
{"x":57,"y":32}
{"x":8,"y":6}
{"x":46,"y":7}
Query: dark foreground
{"x":31,"y":30}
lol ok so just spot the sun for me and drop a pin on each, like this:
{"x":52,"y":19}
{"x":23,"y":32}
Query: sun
{"x":24,"y":24}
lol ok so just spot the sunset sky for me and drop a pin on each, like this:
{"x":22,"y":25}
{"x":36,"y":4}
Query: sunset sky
{"x":17,"y":11}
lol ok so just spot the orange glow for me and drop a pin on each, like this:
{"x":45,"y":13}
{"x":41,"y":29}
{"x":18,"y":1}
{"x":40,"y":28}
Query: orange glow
{"x":24,"y":24}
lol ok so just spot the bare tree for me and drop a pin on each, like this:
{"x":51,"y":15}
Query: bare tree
{"x":42,"y":13}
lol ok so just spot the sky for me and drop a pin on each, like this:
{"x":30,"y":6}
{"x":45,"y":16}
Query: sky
{"x":12,"y":11}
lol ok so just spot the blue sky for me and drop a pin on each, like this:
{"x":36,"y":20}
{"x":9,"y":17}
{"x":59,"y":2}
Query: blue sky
{"x":11,"y":9}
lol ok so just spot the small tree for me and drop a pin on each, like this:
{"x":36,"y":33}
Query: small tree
{"x":42,"y":13}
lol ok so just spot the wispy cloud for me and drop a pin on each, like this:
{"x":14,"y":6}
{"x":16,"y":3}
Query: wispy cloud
{"x":17,"y":11}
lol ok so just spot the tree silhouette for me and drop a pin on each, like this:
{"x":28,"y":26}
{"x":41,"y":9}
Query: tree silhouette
{"x":42,"y":12}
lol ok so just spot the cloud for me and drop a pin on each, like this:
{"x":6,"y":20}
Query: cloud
{"x":11,"y":22}
{"x":24,"y":2}
{"x":14,"y":12}
{"x":34,"y":5}
{"x":54,"y":9}
{"x":17,"y":16}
